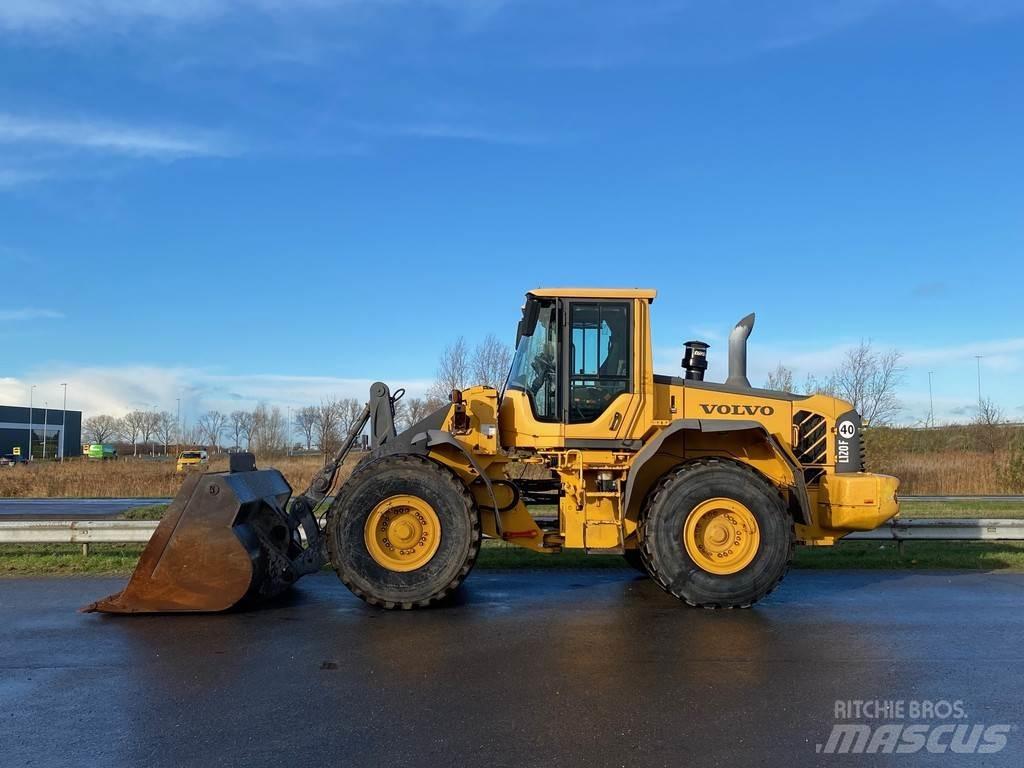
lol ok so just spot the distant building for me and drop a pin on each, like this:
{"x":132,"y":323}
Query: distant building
{"x":47,"y":439}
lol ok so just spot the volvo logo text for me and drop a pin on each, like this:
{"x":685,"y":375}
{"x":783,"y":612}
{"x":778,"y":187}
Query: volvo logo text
{"x":738,"y":410}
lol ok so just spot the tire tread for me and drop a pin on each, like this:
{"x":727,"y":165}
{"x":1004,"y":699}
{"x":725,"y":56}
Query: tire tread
{"x":451,"y":483}
{"x":679,"y":474}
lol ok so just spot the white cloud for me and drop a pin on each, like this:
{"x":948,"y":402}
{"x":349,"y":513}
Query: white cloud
{"x":34,"y":14}
{"x":108,"y":137}
{"x":706,"y":333}
{"x":11,"y":177}
{"x":824,"y":18}
{"x":455,"y":132}
{"x":116,"y":390}
{"x":68,"y":14}
{"x":29,"y":313}
{"x":1002,"y":354}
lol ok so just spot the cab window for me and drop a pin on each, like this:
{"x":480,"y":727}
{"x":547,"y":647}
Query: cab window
{"x":535,"y":366}
{"x":600,"y":357}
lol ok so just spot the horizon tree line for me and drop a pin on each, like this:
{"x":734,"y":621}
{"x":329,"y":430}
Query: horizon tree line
{"x":323,"y":426}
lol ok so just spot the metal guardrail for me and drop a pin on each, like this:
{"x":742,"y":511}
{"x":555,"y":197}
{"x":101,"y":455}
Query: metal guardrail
{"x":76,"y":531}
{"x":945,"y":529}
{"x":86,"y":532}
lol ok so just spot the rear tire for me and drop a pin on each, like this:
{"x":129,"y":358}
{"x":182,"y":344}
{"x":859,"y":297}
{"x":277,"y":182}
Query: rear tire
{"x":754,"y":556}
{"x":442,"y":551}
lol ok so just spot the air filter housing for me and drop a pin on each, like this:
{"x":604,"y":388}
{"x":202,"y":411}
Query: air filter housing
{"x":695,"y":360}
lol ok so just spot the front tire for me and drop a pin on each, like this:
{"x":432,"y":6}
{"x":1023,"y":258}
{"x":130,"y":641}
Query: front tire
{"x":403,"y":532}
{"x":716,"y":534}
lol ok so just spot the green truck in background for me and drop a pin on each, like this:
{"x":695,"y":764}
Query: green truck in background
{"x":101,"y":451}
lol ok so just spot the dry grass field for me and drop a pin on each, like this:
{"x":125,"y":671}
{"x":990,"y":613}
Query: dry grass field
{"x":957,"y":460}
{"x":129,"y":478}
{"x":946,"y":474}
{"x":952,"y":460}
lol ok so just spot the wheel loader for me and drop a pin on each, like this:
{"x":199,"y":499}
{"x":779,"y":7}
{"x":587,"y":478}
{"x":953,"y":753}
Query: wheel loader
{"x":707,"y":487}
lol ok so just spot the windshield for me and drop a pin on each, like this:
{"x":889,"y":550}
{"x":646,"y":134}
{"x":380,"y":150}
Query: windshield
{"x":535,"y":367}
{"x":191,"y":455}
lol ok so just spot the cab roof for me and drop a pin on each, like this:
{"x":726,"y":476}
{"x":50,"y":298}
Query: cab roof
{"x":595,"y":293}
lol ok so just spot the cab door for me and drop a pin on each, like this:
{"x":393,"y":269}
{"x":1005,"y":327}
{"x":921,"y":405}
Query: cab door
{"x":598,"y":382}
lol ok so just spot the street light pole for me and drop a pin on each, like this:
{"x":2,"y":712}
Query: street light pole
{"x":177,"y":428}
{"x":931,"y":403}
{"x":46,"y":414}
{"x":31,"y":391}
{"x":978,"y":358}
{"x":63,"y":424}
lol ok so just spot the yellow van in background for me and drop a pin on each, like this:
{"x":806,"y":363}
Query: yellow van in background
{"x":192,"y":460}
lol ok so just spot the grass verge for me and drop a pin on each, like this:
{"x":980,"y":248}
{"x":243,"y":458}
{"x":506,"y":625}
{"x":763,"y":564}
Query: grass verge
{"x":971,"y":509}
{"x":150,"y":512}
{"x":120,"y":559}
{"x":68,"y":560}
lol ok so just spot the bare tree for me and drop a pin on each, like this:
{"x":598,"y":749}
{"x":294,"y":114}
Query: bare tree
{"x":192,"y":436}
{"x":868,"y":380}
{"x":815,"y":386}
{"x":349,"y":411}
{"x":453,"y":370}
{"x":417,"y":408}
{"x":491,"y":362}
{"x":150,"y":422}
{"x":211,"y":427}
{"x":166,"y":429}
{"x":414,"y":411}
{"x":306,"y":418}
{"x":988,"y":425}
{"x":100,"y":429}
{"x":780,"y":379}
{"x":327,"y":423}
{"x":269,"y":430}
{"x":131,"y":426}
{"x":275,"y":430}
{"x":248,"y":426}
{"x":241,"y":426}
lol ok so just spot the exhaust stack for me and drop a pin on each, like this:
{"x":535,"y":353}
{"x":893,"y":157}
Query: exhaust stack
{"x":738,"y":352}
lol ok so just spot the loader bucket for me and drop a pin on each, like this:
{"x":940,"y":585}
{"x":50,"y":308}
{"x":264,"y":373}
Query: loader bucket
{"x":226,"y":537}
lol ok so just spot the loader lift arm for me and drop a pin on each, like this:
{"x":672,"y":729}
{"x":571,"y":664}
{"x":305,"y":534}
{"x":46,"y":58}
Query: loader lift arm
{"x":379,"y":412}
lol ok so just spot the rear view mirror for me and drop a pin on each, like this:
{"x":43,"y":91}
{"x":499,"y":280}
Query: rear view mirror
{"x":531,"y":311}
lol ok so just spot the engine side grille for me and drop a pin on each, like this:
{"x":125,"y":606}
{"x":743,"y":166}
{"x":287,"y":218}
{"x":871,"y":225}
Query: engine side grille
{"x":811,"y":443}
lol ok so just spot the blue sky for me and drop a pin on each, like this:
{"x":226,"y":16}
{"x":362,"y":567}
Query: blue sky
{"x":232,"y":201}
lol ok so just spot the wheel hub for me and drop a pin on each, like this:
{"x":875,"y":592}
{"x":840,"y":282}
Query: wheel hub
{"x":721,"y":536}
{"x":402,"y":533}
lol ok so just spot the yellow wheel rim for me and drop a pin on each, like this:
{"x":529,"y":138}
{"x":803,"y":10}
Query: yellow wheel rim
{"x":721,"y":536}
{"x":402,"y":533}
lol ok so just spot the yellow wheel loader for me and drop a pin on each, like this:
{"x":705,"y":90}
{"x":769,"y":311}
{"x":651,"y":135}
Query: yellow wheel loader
{"x":705,"y":486}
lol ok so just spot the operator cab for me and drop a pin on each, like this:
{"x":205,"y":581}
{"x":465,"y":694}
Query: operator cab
{"x":579,"y":353}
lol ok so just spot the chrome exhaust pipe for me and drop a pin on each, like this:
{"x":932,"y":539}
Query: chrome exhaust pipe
{"x":738,"y":352}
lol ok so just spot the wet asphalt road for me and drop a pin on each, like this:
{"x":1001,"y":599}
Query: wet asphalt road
{"x":591,"y":668}
{"x":69,"y":509}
